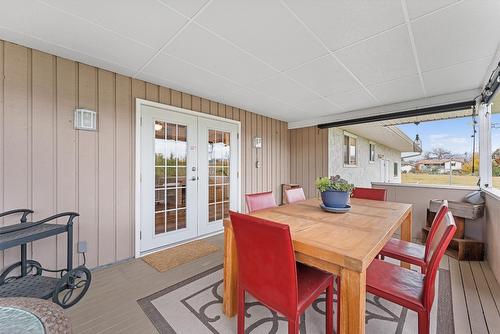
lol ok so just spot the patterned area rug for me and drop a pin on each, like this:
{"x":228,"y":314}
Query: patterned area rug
{"x":195,"y":306}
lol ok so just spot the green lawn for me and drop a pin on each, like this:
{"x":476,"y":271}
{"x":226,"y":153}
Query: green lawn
{"x":462,"y":180}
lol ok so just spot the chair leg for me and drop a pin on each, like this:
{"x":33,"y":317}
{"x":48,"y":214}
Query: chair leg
{"x":241,"y":311}
{"x":329,"y":309}
{"x":338,"y":304}
{"x":293,"y":325}
{"x":423,"y":323}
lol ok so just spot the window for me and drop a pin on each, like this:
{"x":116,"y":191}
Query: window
{"x":396,"y":169}
{"x":350,"y":150}
{"x":372,"y":152}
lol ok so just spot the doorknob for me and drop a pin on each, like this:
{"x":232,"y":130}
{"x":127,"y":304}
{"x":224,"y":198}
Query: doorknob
{"x":195,"y":178}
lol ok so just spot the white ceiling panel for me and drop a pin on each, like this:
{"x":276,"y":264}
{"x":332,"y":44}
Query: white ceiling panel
{"x":284,"y":89}
{"x":264,"y":28}
{"x":353,"y":100}
{"x":30,"y":18}
{"x":203,"y":49}
{"x":466,"y":31}
{"x":456,"y":78}
{"x":402,"y":89}
{"x":325,"y":76}
{"x":418,"y":8}
{"x":382,"y":58}
{"x":319,"y":107}
{"x":342,"y":22}
{"x":155,"y":23}
{"x":280,"y":58}
{"x":186,"y":7}
{"x":192,"y":79}
{"x":50,"y":48}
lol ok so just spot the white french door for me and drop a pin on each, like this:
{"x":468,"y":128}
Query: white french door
{"x":188,"y":175}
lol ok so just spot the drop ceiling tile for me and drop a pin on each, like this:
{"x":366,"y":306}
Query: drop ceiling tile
{"x":383,"y":58}
{"x":192,"y":79}
{"x":318,"y":107}
{"x":146,"y":21}
{"x":403,"y":89}
{"x":264,"y":28}
{"x":325,"y":76}
{"x":22,"y":39}
{"x":353,"y":100}
{"x":418,"y":8}
{"x":188,"y":8}
{"x":342,"y":22}
{"x":197,"y":46}
{"x":468,"y":75}
{"x":284,"y":89}
{"x":31,"y":18}
{"x":456,"y":34}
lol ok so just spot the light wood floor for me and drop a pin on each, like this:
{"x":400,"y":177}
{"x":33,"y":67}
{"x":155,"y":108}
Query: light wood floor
{"x":110,"y":305}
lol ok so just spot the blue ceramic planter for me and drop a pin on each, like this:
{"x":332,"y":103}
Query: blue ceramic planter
{"x":335,"y":199}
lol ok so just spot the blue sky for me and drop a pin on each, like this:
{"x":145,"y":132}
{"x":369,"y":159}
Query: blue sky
{"x":453,"y":134}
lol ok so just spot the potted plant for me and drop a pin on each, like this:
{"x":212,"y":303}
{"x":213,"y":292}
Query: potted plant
{"x":335,"y":191}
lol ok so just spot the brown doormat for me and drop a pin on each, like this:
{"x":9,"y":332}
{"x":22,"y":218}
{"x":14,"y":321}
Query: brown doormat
{"x":169,"y":258}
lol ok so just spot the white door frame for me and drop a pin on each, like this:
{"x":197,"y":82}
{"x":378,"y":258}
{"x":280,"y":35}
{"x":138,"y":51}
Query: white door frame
{"x":137,"y":166}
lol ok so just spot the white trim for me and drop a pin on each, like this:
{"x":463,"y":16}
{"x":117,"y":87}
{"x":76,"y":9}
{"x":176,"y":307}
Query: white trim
{"x":430,"y":186}
{"x":138,"y":104}
{"x":493,"y":192}
{"x":485,"y":172}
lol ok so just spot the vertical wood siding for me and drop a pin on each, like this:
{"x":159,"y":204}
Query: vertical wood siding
{"x":308,"y":157}
{"x":48,"y":166}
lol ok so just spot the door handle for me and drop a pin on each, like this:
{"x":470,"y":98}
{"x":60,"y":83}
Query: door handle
{"x":195,"y":178}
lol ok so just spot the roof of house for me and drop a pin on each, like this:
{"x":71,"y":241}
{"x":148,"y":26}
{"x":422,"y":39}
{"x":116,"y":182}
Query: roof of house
{"x":390,"y":136}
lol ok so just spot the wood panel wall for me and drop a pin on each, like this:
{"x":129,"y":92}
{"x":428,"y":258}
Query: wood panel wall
{"x":48,"y":166}
{"x":308,"y":157}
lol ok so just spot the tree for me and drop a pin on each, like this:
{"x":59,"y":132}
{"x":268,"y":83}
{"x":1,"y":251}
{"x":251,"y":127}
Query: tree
{"x":496,"y":156}
{"x":438,"y":153}
{"x":467,"y":166}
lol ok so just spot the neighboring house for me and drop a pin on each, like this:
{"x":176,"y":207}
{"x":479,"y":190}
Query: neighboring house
{"x":439,"y":166}
{"x":367,"y":153}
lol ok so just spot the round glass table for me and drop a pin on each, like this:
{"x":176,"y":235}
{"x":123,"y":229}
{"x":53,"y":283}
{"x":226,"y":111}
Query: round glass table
{"x":16,"y":321}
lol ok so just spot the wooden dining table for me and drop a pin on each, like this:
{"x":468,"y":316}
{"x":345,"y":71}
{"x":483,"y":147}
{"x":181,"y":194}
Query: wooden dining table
{"x":341,"y":243}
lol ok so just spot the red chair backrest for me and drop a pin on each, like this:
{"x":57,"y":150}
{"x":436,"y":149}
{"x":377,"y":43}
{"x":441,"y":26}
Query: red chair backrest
{"x":444,"y":233}
{"x":370,"y":193}
{"x":266,"y":261}
{"x":295,"y":195}
{"x":260,"y":201}
{"x":438,"y":219}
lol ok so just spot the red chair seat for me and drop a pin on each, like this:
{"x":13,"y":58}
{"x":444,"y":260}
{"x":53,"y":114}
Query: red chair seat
{"x":405,"y":251}
{"x":399,"y":285}
{"x":311,"y":283}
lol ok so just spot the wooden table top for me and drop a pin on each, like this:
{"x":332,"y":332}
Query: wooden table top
{"x":350,"y":240}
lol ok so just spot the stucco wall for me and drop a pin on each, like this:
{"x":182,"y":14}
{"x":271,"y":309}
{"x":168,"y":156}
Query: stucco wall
{"x":365,"y":172}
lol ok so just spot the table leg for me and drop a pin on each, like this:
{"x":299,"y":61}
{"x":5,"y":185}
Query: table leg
{"x":352,"y":301}
{"x":230,"y":303}
{"x":406,"y":234}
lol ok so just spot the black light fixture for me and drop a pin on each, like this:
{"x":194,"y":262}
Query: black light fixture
{"x":417,"y":143}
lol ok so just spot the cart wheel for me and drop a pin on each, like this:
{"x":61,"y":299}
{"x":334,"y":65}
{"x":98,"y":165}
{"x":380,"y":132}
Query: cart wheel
{"x":33,"y":268}
{"x":72,"y":287}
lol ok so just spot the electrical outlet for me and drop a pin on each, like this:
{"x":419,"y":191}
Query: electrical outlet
{"x":82,"y":246}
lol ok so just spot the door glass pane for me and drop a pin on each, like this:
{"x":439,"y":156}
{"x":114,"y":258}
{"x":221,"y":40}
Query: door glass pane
{"x":170,"y":176}
{"x":219,"y":145}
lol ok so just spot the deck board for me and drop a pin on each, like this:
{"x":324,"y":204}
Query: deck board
{"x":111,"y":307}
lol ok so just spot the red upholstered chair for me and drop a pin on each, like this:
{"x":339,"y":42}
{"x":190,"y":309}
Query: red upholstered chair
{"x":260,"y":201}
{"x":295,"y":195}
{"x":414,"y":253}
{"x":370,"y":193}
{"x":409,"y":288}
{"x":268,"y":271}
